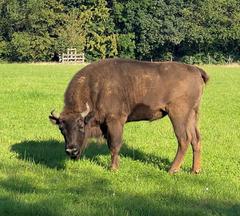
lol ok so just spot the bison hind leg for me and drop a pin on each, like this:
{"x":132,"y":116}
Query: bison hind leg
{"x":184,"y":121}
{"x":196,"y":144}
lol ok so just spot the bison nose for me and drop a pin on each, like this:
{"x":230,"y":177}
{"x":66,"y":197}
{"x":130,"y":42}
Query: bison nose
{"x":72,"y":151}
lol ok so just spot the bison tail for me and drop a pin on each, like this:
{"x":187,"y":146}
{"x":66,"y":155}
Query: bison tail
{"x":204,"y":75}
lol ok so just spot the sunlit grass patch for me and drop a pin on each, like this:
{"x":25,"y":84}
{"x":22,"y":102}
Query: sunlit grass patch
{"x":37,"y":178}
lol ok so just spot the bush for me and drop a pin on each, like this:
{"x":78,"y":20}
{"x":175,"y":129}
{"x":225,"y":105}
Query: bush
{"x":126,"y":45}
{"x":202,"y":58}
{"x":26,"y":47}
{"x":3,"y":49}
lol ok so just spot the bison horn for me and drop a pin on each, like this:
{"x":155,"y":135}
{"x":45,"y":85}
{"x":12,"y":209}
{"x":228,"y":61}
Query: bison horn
{"x":85,"y":113}
{"x":54,"y":114}
{"x":54,"y":118}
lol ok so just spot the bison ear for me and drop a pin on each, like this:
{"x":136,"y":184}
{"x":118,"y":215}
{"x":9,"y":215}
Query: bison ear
{"x":89,"y":117}
{"x":54,"y":118}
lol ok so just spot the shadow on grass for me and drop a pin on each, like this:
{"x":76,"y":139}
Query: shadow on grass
{"x":12,"y":207}
{"x":51,"y":153}
{"x":123,"y":202}
{"x":99,"y":196}
{"x":19,"y":198}
{"x":20,"y":186}
{"x":94,"y":149}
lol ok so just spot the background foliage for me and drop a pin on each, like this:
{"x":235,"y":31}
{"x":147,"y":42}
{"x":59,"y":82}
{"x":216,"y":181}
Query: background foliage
{"x":204,"y":31}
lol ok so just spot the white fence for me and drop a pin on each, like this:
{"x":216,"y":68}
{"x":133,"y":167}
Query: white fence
{"x":72,"y":57}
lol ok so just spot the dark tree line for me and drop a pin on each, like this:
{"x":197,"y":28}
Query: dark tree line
{"x":187,"y":30}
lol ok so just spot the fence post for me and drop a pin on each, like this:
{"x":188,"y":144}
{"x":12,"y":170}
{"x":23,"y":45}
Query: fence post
{"x":229,"y":59}
{"x":72,"y":56}
{"x":209,"y":59}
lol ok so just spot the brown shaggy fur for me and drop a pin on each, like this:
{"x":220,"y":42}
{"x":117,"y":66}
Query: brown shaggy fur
{"x":119,"y":91}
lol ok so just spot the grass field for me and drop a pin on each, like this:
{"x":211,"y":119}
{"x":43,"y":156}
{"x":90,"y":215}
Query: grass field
{"x":37,"y":178}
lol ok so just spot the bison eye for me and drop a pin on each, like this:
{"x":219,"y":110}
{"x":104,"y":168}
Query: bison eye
{"x":81,"y":128}
{"x":80,"y":123}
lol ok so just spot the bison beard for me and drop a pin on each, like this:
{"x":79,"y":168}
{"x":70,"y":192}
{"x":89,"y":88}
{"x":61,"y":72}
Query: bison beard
{"x":105,"y":95}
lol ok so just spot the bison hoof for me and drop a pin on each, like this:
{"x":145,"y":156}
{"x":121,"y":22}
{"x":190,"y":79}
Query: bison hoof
{"x":173,"y":171}
{"x":197,"y":171}
{"x":114,"y":168}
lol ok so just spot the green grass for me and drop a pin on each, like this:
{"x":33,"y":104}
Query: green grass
{"x":37,"y":178}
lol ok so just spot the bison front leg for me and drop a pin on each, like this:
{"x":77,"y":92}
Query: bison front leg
{"x":114,"y":140}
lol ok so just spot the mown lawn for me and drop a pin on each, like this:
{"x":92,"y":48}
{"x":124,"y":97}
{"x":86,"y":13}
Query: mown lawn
{"x":37,"y":178}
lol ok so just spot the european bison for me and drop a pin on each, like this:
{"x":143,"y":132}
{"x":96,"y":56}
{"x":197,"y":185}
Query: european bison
{"x":107,"y":94}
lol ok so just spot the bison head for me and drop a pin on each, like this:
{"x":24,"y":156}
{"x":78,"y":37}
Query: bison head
{"x":73,"y":127}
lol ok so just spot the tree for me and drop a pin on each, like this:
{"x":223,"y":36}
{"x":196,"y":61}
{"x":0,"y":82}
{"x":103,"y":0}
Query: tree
{"x":29,"y":29}
{"x":101,"y":37}
{"x":74,"y":31}
{"x":32,"y":30}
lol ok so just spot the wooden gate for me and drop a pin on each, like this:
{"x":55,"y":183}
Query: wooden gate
{"x":72,"y":56}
